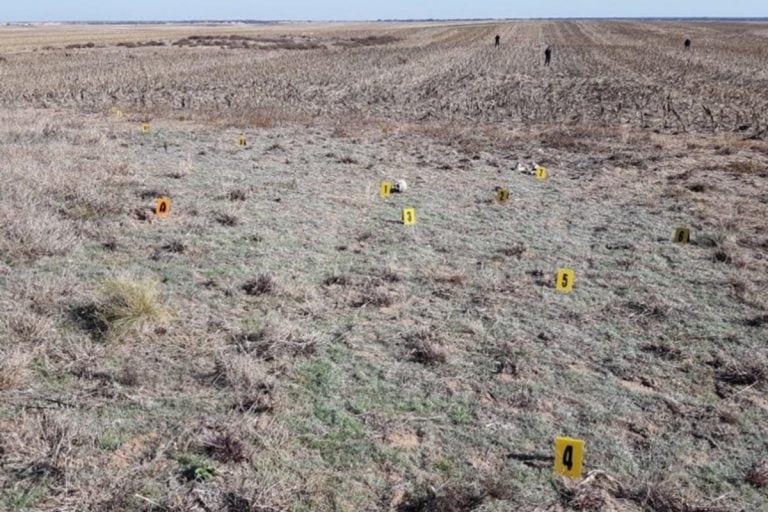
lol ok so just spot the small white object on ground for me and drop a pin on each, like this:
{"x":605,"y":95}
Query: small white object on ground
{"x":400,"y":186}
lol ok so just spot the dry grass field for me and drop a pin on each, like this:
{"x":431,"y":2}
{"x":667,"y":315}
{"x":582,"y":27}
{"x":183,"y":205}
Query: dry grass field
{"x":281,"y":341}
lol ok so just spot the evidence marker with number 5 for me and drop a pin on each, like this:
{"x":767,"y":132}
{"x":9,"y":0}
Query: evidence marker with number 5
{"x":564,"y":280}
{"x":569,"y":457}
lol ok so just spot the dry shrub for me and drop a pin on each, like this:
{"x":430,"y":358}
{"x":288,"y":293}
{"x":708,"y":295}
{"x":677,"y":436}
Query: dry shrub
{"x":276,"y":341}
{"x":600,"y":491}
{"x":425,"y":347}
{"x":746,"y":167}
{"x":27,"y":236}
{"x":372,"y":297}
{"x":226,"y":447}
{"x":757,"y":475}
{"x":744,"y":373}
{"x":129,"y":306}
{"x":14,"y":368}
{"x":452,"y":498}
{"x":263,"y":284}
{"x":253,"y":387}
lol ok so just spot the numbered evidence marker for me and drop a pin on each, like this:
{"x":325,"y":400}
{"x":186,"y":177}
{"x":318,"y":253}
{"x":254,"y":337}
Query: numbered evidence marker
{"x":541,"y":173}
{"x":385,"y":189}
{"x":163,"y":207}
{"x":569,"y":456}
{"x":145,"y":128}
{"x":564,"y":280}
{"x":409,"y":216}
{"x":117,"y":112}
{"x":502,"y":195}
{"x":682,"y":235}
{"x":241,"y":141}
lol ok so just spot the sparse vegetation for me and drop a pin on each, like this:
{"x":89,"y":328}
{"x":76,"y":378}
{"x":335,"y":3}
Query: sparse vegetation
{"x":282,"y":342}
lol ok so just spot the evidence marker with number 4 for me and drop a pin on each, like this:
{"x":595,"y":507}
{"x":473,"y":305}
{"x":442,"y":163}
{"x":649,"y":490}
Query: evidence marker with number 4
{"x":564,"y":280}
{"x":409,"y":216}
{"x":569,"y":457}
{"x":682,"y":235}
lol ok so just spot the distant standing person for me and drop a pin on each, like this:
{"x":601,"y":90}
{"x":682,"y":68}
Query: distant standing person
{"x":687,"y":44}
{"x":547,"y":56}
{"x":498,"y":39}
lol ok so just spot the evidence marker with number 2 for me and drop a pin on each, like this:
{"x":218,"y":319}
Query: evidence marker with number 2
{"x":409,"y":216}
{"x":541,"y":173}
{"x":385,"y":189}
{"x":163,"y":207}
{"x":564,"y":280}
{"x":682,"y":235}
{"x":569,"y":457}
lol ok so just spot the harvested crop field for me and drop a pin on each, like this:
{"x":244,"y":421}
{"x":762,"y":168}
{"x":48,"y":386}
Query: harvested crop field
{"x":281,"y":341}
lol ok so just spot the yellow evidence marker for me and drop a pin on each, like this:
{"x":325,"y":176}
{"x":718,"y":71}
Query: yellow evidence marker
{"x":385,"y":189}
{"x":146,"y":128}
{"x":541,"y":173}
{"x":241,"y":141}
{"x":502,"y":195}
{"x":163,"y":207}
{"x":565,"y":279}
{"x":682,"y":235}
{"x":409,"y":216}
{"x":117,"y":112}
{"x":569,"y":457}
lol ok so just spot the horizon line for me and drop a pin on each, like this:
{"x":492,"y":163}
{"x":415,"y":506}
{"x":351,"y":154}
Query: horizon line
{"x":392,"y":20}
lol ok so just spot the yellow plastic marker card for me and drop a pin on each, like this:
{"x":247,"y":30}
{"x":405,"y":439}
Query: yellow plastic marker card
{"x":119,"y":114}
{"x":409,"y":216}
{"x":385,"y":189}
{"x":145,"y":128}
{"x":565,"y":279}
{"x":541,"y":172}
{"x":569,"y":457}
{"x":163,"y":207}
{"x":502,"y":195}
{"x":241,"y":141}
{"x":682,"y":235}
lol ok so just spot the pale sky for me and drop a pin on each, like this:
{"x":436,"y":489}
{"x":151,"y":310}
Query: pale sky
{"x":142,"y":10}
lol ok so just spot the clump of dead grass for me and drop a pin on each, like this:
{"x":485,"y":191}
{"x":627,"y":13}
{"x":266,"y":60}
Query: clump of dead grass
{"x":600,"y":491}
{"x":14,"y":368}
{"x":262,"y":284}
{"x":129,"y":306}
{"x":226,"y":447}
{"x":757,"y":475}
{"x":425,"y":347}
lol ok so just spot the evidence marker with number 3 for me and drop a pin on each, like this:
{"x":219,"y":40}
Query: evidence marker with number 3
{"x":163,"y":207}
{"x":682,"y":235}
{"x":564,"y":280}
{"x":502,"y":195}
{"x":385,"y":189}
{"x":409,"y":216}
{"x":541,"y":173}
{"x":569,"y":457}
